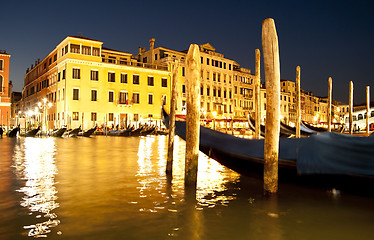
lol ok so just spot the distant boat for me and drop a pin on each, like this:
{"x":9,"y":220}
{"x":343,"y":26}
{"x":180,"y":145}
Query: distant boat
{"x":331,"y":158}
{"x":88,"y":132}
{"x":32,"y":132}
{"x":13,"y":132}
{"x":58,"y":132}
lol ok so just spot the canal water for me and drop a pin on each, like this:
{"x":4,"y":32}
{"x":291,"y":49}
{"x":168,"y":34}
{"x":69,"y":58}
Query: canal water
{"x":116,"y":188}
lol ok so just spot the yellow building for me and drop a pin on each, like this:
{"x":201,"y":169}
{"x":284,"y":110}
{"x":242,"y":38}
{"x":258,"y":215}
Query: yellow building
{"x":226,"y":88}
{"x":89,"y":84}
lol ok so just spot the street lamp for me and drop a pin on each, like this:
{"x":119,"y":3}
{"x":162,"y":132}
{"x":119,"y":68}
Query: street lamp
{"x":44,"y":106}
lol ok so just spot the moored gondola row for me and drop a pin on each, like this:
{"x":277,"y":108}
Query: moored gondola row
{"x":64,"y":132}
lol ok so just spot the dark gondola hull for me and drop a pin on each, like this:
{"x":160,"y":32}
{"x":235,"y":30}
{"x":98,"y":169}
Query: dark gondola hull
{"x":13,"y":132}
{"x":329,"y":159}
{"x":89,"y":132}
{"x":32,"y":133}
{"x":58,"y":133}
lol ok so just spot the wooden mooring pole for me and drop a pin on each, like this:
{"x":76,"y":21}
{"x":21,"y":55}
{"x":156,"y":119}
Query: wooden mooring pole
{"x":257,"y":95}
{"x":368,"y":114}
{"x":350,"y":107}
{"x":329,"y":105}
{"x":173,"y":103}
{"x":298,"y":102}
{"x":272,"y":78}
{"x":193,"y":114}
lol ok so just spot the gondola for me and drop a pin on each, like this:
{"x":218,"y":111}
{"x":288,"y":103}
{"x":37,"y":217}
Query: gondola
{"x":32,"y":132}
{"x":136,"y":132}
{"x":13,"y":132}
{"x":252,"y":127}
{"x":74,"y":132}
{"x":330,"y":158}
{"x":58,"y":132}
{"x":147,"y":131}
{"x":88,"y":132}
{"x":304,"y":132}
{"x":125,"y":133}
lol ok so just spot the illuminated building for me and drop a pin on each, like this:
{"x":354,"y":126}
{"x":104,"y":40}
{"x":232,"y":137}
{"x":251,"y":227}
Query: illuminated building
{"x":226,"y":88}
{"x":5,"y":89}
{"x":89,"y":84}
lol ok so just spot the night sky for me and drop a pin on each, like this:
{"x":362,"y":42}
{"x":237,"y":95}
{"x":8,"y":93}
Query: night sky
{"x":326,"y":38}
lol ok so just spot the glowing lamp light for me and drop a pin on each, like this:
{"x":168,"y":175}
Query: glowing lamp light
{"x":214,"y":113}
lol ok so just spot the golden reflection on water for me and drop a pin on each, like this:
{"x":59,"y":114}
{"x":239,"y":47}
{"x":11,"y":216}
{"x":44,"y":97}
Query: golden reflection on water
{"x":213,"y":178}
{"x":34,"y":164}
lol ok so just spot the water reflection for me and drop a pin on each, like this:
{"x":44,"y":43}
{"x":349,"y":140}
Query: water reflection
{"x":34,"y":164}
{"x":212,"y":176}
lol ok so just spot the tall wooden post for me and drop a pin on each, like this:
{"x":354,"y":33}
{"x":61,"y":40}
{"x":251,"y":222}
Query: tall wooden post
{"x":272,"y":78}
{"x":350,"y":107}
{"x":193,"y":114}
{"x":298,"y":102}
{"x":173,"y":103}
{"x":367,"y":108}
{"x":257,"y":96}
{"x":329,"y":105}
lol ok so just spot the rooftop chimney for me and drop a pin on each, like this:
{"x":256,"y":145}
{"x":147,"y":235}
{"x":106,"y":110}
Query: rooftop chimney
{"x":152,"y":43}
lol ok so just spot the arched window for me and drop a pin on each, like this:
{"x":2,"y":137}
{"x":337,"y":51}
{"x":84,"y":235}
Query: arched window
{"x":372,"y":114}
{"x":360,"y":116}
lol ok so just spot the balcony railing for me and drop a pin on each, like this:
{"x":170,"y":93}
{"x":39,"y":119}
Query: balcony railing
{"x":135,"y":64}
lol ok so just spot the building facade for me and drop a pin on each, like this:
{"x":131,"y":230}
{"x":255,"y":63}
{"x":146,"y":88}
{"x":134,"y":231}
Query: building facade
{"x":89,"y":84}
{"x":226,"y":88}
{"x":5,"y":89}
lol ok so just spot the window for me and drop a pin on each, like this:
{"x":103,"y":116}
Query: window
{"x":75,"y":93}
{"x":123,"y":97}
{"x":93,"y":116}
{"x":76,"y":73}
{"x":93,"y":95}
{"x":96,"y":51}
{"x":214,"y":76}
{"x":1,"y":65}
{"x":135,"y":98}
{"x":202,"y":60}
{"x":111,"y":77}
{"x":207,"y":61}
{"x":164,"y":82}
{"x":86,"y":50}
{"x":75,"y":116}
{"x":201,"y":90}
{"x":123,"y":77}
{"x":183,"y":88}
{"x":183,"y":73}
{"x":135,"y":79}
{"x":94,"y":75}
{"x":111,"y":117}
{"x":63,"y":74}
{"x":150,"y":81}
{"x":136,"y":117}
{"x":150,"y":99}
{"x":74,"y":48}
{"x":207,"y":75}
{"x":207,"y":91}
{"x":1,"y":83}
{"x":111,"y":96}
{"x":58,"y":76}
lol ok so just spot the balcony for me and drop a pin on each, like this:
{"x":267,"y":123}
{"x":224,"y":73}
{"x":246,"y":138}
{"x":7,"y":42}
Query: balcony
{"x":134,"y":64}
{"x":124,"y":102}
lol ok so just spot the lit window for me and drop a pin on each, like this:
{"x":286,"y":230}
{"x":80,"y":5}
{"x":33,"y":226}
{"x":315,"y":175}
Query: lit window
{"x":76,"y":73}
{"x":75,"y":94}
{"x":75,"y":116}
